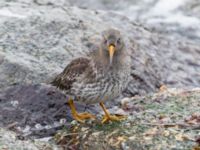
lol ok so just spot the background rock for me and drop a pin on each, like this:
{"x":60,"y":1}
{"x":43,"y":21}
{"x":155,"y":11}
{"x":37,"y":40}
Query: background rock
{"x":39,"y":42}
{"x":38,"y":39}
{"x":170,"y":17}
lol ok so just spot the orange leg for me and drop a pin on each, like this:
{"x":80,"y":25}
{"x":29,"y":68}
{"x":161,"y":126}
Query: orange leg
{"x":108,"y":117}
{"x":79,"y":116}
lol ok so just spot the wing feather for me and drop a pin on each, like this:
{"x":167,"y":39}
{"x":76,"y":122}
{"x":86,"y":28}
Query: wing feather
{"x":70,"y":74}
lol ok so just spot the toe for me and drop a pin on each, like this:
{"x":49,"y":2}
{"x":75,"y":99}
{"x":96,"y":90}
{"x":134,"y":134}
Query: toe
{"x":76,"y":117}
{"x":113,"y":118}
{"x":86,"y":116}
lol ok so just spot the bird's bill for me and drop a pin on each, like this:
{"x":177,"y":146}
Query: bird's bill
{"x":111,"y":50}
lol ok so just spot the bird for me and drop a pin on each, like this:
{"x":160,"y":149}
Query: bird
{"x":100,"y":76}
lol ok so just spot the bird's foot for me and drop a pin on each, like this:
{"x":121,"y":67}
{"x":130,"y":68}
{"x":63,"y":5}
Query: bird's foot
{"x":82,"y":116}
{"x":107,"y":118}
{"x":79,"y":116}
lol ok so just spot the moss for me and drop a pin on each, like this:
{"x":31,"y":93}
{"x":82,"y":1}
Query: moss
{"x":108,"y":127}
{"x":146,"y":129}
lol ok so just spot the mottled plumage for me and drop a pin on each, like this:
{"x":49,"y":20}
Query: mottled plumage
{"x":93,"y":79}
{"x":100,"y":77}
{"x":70,"y":74}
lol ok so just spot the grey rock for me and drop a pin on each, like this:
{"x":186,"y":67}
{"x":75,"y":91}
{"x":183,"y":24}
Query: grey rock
{"x":39,"y":38}
{"x":180,"y":18}
{"x":39,"y":41}
{"x":10,"y":140}
{"x":37,"y":110}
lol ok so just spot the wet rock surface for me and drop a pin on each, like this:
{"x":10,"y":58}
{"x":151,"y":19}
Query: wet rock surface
{"x":32,"y":104}
{"x":36,"y":110}
{"x":170,"y":18}
{"x":10,"y":140}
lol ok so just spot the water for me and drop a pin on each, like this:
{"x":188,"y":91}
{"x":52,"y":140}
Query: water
{"x":167,"y":16}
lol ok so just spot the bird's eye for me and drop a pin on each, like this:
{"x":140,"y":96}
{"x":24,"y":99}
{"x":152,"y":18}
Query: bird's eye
{"x":105,"y":41}
{"x":119,"y":41}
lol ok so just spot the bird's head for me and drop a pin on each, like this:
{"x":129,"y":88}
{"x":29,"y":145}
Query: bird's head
{"x":112,"y":45}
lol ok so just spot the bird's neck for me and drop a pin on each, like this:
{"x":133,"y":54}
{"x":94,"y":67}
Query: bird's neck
{"x":103,"y":62}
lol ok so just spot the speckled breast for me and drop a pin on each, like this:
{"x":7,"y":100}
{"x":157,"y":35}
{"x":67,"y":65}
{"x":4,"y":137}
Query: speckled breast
{"x":106,"y":87}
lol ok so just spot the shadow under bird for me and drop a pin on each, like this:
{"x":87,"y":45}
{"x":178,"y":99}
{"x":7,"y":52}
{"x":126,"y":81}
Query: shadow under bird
{"x":97,"y":78}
